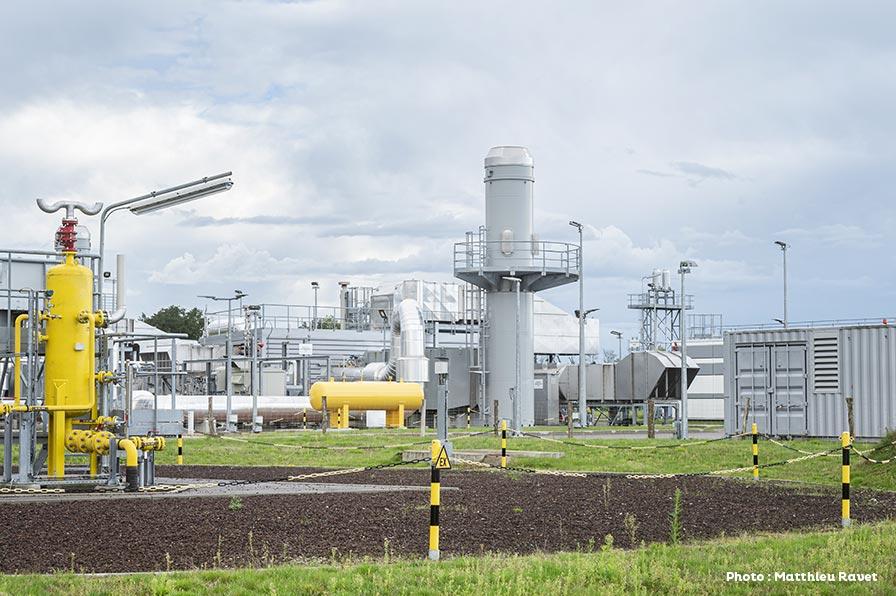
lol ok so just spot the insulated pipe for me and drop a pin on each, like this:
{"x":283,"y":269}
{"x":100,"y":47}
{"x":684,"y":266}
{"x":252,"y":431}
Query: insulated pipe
{"x":407,"y":362}
{"x":17,"y":371}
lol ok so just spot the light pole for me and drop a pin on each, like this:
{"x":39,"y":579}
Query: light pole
{"x":618,"y":335}
{"x":784,"y":246}
{"x":583,"y":393}
{"x":237,"y":295}
{"x":583,"y":406}
{"x":141,"y":205}
{"x":155,"y":201}
{"x":314,"y":286}
{"x":684,"y":268}
{"x":517,"y":409}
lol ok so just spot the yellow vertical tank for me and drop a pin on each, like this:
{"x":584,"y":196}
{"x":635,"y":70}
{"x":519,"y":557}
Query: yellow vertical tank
{"x":69,"y":363}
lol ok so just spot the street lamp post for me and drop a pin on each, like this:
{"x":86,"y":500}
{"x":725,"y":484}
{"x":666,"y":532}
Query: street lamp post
{"x":237,"y":295}
{"x":583,"y":393}
{"x":314,"y":286}
{"x":618,"y":335}
{"x":784,"y":246}
{"x":517,"y":409}
{"x":684,"y":268}
{"x":155,"y":201}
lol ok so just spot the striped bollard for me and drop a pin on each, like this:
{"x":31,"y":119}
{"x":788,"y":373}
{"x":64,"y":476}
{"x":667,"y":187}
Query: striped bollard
{"x":755,"y":452}
{"x":844,"y":504}
{"x":180,"y":449}
{"x":304,"y":419}
{"x":503,"y":443}
{"x":434,"y":500}
{"x":468,"y":418}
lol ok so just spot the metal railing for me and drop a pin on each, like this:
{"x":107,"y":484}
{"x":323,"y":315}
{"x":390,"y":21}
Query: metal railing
{"x":517,"y":255}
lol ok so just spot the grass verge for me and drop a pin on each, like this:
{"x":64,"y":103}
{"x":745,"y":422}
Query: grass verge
{"x":698,"y":568}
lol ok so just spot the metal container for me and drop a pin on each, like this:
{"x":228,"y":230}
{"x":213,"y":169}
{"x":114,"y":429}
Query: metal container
{"x":797,"y":380}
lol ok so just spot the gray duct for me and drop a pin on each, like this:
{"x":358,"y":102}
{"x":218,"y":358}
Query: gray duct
{"x":120,"y":300}
{"x":407,"y":360}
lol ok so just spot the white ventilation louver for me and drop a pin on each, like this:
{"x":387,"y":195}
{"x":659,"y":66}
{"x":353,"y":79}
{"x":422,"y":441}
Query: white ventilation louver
{"x":826,"y":364}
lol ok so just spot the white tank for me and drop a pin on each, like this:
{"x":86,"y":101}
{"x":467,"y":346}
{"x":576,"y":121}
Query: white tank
{"x":509,"y":210}
{"x":656,"y":278}
{"x":667,"y":285}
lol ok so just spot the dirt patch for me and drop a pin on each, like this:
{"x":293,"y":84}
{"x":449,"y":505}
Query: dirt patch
{"x":491,"y":511}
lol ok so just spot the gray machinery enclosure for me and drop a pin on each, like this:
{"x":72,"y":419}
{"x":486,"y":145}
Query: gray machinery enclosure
{"x":796,"y":381}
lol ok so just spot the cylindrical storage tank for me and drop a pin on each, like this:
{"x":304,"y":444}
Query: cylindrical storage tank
{"x":656,"y":278}
{"x":667,"y":283}
{"x":509,"y":207}
{"x":69,"y":363}
{"x":366,"y":395}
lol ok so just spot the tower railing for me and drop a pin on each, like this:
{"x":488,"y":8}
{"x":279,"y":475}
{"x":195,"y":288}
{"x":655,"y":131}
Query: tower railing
{"x":517,"y":255}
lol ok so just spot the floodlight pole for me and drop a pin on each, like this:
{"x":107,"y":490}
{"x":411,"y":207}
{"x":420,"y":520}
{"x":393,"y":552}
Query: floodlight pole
{"x":111,"y":208}
{"x":583,"y":392}
{"x":784,"y":246}
{"x":684,"y":268}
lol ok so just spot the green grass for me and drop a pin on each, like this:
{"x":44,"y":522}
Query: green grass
{"x":697,"y":568}
{"x":686,"y":457}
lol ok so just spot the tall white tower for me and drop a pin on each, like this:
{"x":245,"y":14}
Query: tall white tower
{"x":507,"y":259}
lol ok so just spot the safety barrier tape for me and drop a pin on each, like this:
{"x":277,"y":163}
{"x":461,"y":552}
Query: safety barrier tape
{"x":795,"y":449}
{"x":480,"y":464}
{"x":7,"y":490}
{"x":738,"y":469}
{"x":308,"y":476}
{"x":863,"y":454}
{"x":325,"y":447}
{"x":635,"y":448}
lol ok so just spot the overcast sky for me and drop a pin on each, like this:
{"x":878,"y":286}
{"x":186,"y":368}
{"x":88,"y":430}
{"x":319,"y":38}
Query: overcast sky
{"x":356,"y":133}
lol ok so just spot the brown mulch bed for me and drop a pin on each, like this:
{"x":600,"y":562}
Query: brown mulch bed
{"x":491,"y":511}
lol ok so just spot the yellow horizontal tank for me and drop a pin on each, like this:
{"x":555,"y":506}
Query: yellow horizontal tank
{"x":344,"y":396}
{"x":367,"y":395}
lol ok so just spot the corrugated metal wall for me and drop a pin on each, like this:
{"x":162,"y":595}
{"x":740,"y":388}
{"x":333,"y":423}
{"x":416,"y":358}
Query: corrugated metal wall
{"x":865,"y":362}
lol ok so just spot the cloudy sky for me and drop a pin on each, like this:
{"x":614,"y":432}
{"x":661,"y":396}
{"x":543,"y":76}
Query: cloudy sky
{"x":356,"y":132}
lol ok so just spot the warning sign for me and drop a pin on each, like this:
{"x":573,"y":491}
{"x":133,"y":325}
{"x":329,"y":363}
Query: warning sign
{"x":442,"y":462}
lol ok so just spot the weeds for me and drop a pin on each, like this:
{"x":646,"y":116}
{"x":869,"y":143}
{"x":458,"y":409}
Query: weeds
{"x":675,"y":519}
{"x":606,"y":488}
{"x":631,"y":528}
{"x":608,"y":543}
{"x":236,"y":504}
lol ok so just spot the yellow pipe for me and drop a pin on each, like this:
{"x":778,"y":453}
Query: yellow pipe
{"x":131,"y":475}
{"x":130,"y":451}
{"x":17,"y":381}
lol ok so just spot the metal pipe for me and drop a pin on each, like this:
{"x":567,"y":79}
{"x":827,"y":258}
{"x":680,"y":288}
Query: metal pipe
{"x":17,"y":369}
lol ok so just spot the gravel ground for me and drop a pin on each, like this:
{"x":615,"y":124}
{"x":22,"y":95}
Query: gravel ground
{"x":490,"y":511}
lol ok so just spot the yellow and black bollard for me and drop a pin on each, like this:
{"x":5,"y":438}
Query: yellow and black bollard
{"x":503,"y":443}
{"x":304,"y":419}
{"x":468,"y":418}
{"x":434,"y":500}
{"x":180,"y":449}
{"x":844,"y":504}
{"x":755,"y":431}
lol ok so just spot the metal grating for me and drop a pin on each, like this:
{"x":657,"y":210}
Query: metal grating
{"x":826,"y":359}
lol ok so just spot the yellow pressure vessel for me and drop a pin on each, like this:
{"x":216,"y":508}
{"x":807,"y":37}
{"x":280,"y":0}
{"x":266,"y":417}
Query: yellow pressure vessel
{"x":367,"y":395}
{"x":69,"y":364}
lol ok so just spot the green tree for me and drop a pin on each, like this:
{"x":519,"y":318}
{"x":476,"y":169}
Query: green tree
{"x":177,"y":319}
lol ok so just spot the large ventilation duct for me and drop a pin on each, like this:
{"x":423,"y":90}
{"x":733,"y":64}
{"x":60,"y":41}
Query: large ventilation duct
{"x":407,"y":360}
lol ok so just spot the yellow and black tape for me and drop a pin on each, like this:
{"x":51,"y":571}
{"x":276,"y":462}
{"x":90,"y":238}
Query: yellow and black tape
{"x":435,"y":489}
{"x":503,"y":443}
{"x":755,"y":431}
{"x":844,"y":503}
